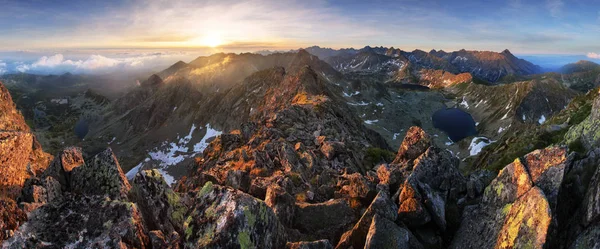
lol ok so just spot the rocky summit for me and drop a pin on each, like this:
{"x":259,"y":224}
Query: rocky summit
{"x":315,"y":148}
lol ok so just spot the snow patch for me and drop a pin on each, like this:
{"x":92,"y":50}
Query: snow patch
{"x":210,"y":132}
{"x":477,"y":144}
{"x":371,"y":121}
{"x":542,"y":119}
{"x":464,"y":103}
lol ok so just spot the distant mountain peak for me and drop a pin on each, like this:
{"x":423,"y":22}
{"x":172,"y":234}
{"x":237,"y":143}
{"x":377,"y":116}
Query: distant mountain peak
{"x":153,"y":80}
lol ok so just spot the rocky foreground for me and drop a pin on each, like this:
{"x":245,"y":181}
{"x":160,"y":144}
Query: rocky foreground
{"x":420,"y":200}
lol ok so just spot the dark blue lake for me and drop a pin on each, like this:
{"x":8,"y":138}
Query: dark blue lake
{"x":456,"y":123}
{"x":81,"y":128}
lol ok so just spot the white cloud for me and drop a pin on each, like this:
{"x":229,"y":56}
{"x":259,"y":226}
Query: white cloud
{"x":2,"y":67}
{"x":96,"y":63}
{"x":593,"y":55}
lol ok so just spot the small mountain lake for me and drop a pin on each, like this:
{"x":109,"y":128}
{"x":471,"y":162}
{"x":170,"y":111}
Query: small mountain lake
{"x":81,"y":128}
{"x":456,"y":123}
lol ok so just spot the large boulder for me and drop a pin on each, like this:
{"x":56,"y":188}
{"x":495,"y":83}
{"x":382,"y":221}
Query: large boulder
{"x":516,"y":209}
{"x":526,"y":224}
{"x":587,"y":132}
{"x":385,"y":234}
{"x":82,"y":222}
{"x":102,"y":175}
{"x":327,"y":220}
{"x":222,"y":217}
{"x":162,"y":208}
{"x":356,"y":237}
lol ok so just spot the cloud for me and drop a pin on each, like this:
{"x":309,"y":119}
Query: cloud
{"x":593,"y":55}
{"x":2,"y":67}
{"x":95,"y":63}
{"x":555,"y":7}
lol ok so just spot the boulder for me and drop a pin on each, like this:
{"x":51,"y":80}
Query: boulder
{"x":385,"y":234}
{"x":327,"y":220}
{"x":92,"y":222}
{"x":526,"y":224}
{"x":161,"y":207}
{"x":356,"y":237}
{"x":546,"y":168}
{"x":222,"y":217}
{"x":411,"y":210}
{"x":102,"y":175}
{"x":415,"y":143}
{"x":512,"y":182}
{"x":282,"y":203}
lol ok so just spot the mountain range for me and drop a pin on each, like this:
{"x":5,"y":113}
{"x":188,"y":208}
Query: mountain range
{"x":316,"y":148}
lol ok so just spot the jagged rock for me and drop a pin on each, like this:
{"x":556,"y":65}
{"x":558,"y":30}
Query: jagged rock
{"x":221,"y":217}
{"x":238,"y":179}
{"x":477,"y":181}
{"x":332,"y":149}
{"x":356,"y":237}
{"x":11,"y":217}
{"x":411,"y":210}
{"x":92,"y":222}
{"x":102,"y":175}
{"x":41,"y":191}
{"x":415,"y":143}
{"x":319,"y":244}
{"x":527,"y":222}
{"x":161,"y":207}
{"x":327,"y":220}
{"x":282,"y":203}
{"x":439,"y":169}
{"x":546,"y":168}
{"x":514,"y":211}
{"x":60,"y":169}
{"x":385,"y":234}
{"x":356,"y":186}
{"x":512,"y":182}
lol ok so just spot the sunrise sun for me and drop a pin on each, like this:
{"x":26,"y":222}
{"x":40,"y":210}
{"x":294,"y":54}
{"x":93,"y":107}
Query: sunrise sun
{"x":212,"y":40}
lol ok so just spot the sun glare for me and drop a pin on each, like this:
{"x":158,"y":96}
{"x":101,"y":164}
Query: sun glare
{"x":212,"y":41}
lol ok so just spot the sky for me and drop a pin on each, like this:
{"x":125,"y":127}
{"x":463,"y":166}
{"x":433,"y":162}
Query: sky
{"x":86,"y":35}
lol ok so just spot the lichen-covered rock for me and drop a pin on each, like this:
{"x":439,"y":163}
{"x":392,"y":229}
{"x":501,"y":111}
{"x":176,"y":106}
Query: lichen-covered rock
{"x":514,"y":211}
{"x":512,"y":182}
{"x":67,"y":160}
{"x":546,"y":168}
{"x":527,"y":222}
{"x":356,"y":237}
{"x":385,"y":234}
{"x":82,"y":222}
{"x":319,"y":244}
{"x":162,"y":208}
{"x":101,"y":175}
{"x":588,"y":131}
{"x":221,"y":217}
{"x":439,"y":169}
{"x":327,"y":220}
{"x":11,"y":217}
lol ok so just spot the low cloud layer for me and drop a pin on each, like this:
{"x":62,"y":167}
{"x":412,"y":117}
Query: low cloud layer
{"x":93,"y":64}
{"x":593,"y":56}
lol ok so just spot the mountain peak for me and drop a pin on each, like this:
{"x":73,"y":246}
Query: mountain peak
{"x":153,"y":80}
